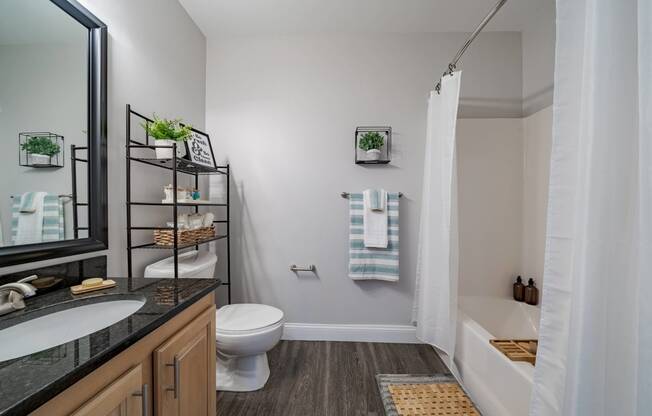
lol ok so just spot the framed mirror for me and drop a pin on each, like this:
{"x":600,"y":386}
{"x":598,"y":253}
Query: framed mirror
{"x":53,"y":195}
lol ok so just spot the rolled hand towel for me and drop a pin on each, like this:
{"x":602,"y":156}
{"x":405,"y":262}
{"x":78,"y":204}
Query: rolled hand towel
{"x":377,"y":198}
{"x":27,"y":203}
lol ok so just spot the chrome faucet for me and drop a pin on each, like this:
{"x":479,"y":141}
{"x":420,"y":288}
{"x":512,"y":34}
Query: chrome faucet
{"x":12,"y":294}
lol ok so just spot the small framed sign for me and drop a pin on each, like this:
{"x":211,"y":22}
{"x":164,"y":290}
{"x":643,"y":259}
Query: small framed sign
{"x":199,"y":150}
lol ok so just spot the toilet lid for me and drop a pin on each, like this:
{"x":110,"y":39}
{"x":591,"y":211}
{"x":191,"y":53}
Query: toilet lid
{"x":246,"y":317}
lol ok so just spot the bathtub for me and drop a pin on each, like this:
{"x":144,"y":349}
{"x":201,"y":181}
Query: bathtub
{"x":498,"y":386}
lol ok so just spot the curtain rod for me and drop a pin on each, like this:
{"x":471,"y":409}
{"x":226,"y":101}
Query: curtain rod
{"x":453,"y":64}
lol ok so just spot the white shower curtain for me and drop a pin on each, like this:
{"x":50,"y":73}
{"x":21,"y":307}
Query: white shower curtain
{"x":435,"y":304}
{"x":595,"y":342}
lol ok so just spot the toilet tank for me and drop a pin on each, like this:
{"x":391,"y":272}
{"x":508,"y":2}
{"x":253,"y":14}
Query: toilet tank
{"x":200,"y":264}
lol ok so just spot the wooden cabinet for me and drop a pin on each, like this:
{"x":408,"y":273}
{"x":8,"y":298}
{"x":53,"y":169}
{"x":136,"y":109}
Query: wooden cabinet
{"x":184,"y":370}
{"x":176,"y":362}
{"x":126,"y":396}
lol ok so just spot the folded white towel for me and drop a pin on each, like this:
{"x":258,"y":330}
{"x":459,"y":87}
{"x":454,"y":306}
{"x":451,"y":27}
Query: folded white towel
{"x":374,"y":222}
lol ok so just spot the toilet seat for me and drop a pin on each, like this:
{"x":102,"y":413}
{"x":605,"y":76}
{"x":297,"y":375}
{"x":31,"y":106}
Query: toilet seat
{"x":249,"y":332}
{"x":247,"y":319}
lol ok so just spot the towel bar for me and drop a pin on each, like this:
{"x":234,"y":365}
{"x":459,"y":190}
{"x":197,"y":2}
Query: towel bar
{"x":295,"y":268}
{"x":346,"y":194}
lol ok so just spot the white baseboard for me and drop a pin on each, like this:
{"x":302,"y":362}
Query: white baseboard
{"x":403,"y":334}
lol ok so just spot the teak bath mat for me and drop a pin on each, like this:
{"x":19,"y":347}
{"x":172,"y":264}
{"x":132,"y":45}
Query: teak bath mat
{"x":516,"y":349}
{"x":424,"y":395}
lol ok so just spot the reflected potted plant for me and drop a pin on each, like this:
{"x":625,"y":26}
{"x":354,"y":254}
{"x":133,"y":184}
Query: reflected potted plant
{"x":371,"y":142}
{"x":166,"y":133}
{"x":40,"y":150}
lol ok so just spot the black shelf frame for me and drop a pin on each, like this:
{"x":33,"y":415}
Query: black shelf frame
{"x":74,"y":159}
{"x":176,"y":166}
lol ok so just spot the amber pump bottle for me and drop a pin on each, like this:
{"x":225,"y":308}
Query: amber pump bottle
{"x":519,"y":290}
{"x":531,"y":293}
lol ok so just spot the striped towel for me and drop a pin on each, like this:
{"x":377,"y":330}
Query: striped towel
{"x":373,"y":263}
{"x":53,"y":219}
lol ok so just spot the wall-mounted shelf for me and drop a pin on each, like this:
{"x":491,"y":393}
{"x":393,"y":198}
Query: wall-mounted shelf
{"x":40,"y":150}
{"x":384,"y":156}
{"x":175,"y":166}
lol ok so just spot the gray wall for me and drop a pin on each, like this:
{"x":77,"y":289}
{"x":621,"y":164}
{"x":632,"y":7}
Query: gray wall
{"x":42,"y":89}
{"x":283,"y":110}
{"x":157,"y":63}
{"x":490,"y":204}
{"x":539,"y":59}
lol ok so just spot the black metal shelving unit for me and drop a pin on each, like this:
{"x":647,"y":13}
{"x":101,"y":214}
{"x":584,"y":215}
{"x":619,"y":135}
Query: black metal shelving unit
{"x":176,"y":166}
{"x":74,"y":159}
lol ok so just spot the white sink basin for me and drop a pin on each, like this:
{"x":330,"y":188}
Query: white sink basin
{"x":57,"y":328}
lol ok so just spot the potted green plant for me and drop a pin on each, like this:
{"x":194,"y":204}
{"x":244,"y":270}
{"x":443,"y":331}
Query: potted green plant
{"x":166,"y":133}
{"x":40,"y":150}
{"x":371,"y":142}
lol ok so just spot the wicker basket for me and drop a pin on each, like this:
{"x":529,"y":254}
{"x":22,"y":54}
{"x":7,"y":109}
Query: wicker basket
{"x":184,"y":237}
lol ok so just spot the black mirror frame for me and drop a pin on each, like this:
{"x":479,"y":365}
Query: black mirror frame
{"x":97,"y":154}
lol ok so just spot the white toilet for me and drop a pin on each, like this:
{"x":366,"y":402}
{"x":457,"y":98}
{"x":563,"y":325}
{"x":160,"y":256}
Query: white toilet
{"x":244,"y":333}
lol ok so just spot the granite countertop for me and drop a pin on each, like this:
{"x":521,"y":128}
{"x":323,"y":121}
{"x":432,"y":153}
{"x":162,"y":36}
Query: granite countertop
{"x":28,"y":382}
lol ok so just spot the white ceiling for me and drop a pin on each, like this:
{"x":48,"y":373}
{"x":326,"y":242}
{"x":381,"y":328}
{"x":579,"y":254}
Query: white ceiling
{"x":248,"y":17}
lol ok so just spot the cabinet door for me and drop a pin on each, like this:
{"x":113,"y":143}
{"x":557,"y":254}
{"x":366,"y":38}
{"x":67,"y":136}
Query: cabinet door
{"x":184,"y":370}
{"x":123,"y":397}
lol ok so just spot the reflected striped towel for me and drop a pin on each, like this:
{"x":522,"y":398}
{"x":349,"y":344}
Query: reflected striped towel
{"x":53,"y":228}
{"x":373,"y":263}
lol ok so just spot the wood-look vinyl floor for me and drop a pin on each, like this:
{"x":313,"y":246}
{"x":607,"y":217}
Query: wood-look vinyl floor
{"x":328,"y":378}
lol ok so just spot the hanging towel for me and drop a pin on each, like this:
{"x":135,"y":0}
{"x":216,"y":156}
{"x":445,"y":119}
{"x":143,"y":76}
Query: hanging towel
{"x":373,"y":263}
{"x":374,"y":221}
{"x":53,"y":218}
{"x":46,"y":223}
{"x":29,"y":225}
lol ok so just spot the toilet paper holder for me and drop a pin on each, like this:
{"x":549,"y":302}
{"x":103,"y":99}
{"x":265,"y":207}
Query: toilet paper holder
{"x":295,"y":268}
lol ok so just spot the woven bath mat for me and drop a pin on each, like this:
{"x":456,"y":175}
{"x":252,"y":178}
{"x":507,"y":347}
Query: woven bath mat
{"x":423,"y":395}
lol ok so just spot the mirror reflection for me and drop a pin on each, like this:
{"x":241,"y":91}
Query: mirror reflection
{"x":43,"y":123}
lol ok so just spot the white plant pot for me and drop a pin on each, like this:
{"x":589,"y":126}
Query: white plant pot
{"x":373,"y":154}
{"x":164,"y":153}
{"x":36,"y":159}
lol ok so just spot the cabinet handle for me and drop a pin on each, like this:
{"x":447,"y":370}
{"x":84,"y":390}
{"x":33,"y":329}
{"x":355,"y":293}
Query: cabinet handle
{"x":144,"y":395}
{"x":177,"y":375}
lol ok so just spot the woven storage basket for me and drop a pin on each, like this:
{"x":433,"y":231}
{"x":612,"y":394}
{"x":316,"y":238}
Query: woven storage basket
{"x":184,"y":237}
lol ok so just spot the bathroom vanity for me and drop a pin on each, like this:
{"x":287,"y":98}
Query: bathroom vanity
{"x":159,"y":360}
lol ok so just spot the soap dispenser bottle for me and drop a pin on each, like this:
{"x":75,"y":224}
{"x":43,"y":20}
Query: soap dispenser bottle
{"x":531,"y":293}
{"x":519,"y":290}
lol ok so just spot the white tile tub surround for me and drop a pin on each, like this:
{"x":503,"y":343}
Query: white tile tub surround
{"x":497,"y":385}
